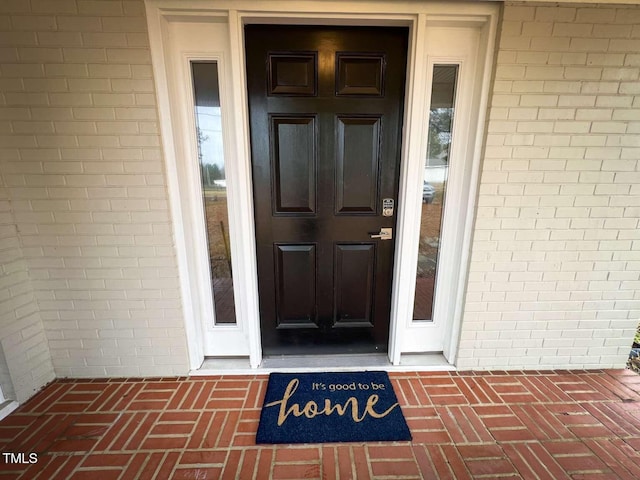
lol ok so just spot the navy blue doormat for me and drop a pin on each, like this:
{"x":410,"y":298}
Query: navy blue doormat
{"x":331,"y":407}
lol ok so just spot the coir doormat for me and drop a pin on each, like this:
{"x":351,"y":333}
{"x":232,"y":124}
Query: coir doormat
{"x":331,"y":407}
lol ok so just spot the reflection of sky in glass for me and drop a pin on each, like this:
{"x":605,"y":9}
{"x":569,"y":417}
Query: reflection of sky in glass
{"x":210,"y":126}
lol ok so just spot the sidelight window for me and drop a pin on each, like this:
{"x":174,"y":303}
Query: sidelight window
{"x":214,"y":186}
{"x":434,"y":186}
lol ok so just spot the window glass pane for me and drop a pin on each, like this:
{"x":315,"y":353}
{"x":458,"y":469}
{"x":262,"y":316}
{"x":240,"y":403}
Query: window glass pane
{"x":434,"y":186}
{"x":214,"y":186}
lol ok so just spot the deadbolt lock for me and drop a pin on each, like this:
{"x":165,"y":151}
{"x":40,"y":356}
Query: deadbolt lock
{"x":387,"y":207}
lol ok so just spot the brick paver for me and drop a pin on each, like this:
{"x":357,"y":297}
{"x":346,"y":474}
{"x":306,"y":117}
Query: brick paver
{"x":538,"y":425}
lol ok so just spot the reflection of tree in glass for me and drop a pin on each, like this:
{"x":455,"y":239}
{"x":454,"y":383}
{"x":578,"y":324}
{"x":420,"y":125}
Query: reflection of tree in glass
{"x":201,"y":139}
{"x":209,"y":171}
{"x":215,"y":172}
{"x":440,"y":133}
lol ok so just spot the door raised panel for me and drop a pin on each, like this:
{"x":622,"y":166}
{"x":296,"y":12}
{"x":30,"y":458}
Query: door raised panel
{"x":359,"y":74}
{"x":357,"y":160}
{"x":354,"y":280}
{"x":292,"y":74}
{"x":295,"y":280}
{"x":293,"y":163}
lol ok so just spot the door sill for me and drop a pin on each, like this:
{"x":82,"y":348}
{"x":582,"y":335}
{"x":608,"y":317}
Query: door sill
{"x":428,"y":362}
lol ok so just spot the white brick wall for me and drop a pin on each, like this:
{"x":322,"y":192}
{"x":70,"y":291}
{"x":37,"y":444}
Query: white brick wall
{"x":555,"y":266}
{"x":84,"y":173}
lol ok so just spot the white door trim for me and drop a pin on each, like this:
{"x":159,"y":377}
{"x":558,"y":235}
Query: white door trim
{"x":419,"y":17}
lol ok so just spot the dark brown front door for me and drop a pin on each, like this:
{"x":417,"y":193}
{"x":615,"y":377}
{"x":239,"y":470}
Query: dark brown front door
{"x":326,"y":116}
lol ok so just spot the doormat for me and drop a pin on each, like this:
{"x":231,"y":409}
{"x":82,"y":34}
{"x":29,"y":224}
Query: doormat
{"x":331,"y":407}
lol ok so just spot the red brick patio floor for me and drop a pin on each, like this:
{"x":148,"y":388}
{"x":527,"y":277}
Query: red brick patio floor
{"x":534,"y":425}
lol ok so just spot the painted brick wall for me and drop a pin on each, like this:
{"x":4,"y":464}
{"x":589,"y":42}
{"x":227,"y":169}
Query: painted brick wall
{"x":83,"y":167}
{"x":24,"y":355}
{"x":555,"y":271}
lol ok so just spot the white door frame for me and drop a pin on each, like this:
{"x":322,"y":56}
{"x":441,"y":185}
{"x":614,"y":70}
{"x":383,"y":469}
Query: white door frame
{"x":165,"y":16}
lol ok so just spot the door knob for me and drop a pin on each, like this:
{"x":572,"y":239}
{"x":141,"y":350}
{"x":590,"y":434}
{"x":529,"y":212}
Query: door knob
{"x":384,"y":234}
